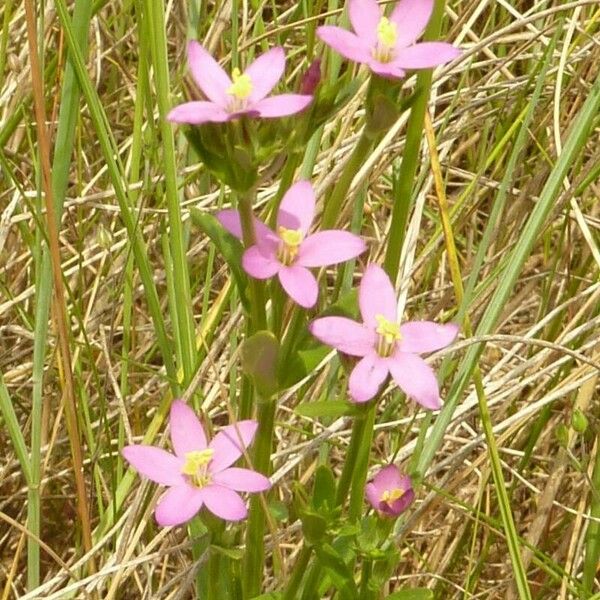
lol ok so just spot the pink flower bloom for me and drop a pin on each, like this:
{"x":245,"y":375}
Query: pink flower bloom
{"x":385,"y":346}
{"x":387,"y":45}
{"x":244,"y":94}
{"x":390,"y":493}
{"x":290,"y":252}
{"x":199,"y":473}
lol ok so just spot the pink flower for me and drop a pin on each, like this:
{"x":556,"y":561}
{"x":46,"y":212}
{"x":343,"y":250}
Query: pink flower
{"x":387,"y":45}
{"x":390,"y":493}
{"x":289,"y":252}
{"x":385,"y":346}
{"x":244,"y":94}
{"x":199,"y":473}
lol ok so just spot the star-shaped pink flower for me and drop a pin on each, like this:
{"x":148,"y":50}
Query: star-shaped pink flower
{"x":199,"y":473}
{"x":390,"y":493}
{"x":290,"y":252}
{"x":387,"y":45}
{"x":243,"y":94}
{"x":385,"y":346}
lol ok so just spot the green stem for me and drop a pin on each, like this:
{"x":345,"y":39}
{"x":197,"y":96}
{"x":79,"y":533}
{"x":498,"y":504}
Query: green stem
{"x":254,"y":556}
{"x":358,"y":429}
{"x":335,"y":201}
{"x":298,"y":573}
{"x":365,"y":576}
{"x":403,"y":188}
{"x":357,"y":493}
{"x":259,"y":318}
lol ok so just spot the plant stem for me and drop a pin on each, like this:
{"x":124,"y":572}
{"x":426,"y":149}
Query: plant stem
{"x":365,"y":576}
{"x":358,"y":429}
{"x":298,"y":573}
{"x":334,"y":202}
{"x":403,"y":188}
{"x":255,"y":555}
{"x":259,"y":318}
{"x":361,"y":465}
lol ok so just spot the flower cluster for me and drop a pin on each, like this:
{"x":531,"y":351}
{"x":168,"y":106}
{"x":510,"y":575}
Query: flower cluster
{"x":200,"y":474}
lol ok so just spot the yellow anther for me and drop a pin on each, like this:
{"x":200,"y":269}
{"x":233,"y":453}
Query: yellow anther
{"x":291,"y":240}
{"x":195,"y":460}
{"x":387,"y":329}
{"x":391,"y":496}
{"x":290,"y":237}
{"x":386,"y":33}
{"x":241,"y":87}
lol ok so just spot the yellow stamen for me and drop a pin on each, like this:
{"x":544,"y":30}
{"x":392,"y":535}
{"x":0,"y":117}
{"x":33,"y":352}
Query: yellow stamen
{"x":389,"y":334}
{"x":241,"y":87}
{"x":386,"y":33}
{"x":291,"y":240}
{"x":391,"y":496}
{"x":195,"y":465}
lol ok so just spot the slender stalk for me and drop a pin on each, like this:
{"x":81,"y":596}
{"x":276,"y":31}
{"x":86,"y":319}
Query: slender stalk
{"x":345,"y":480}
{"x":259,"y":317}
{"x":403,"y":188}
{"x":59,"y":312}
{"x":181,"y":309}
{"x":335,"y":201}
{"x":254,"y":556}
{"x":361,"y":467}
{"x":298,"y":573}
{"x":365,"y":577}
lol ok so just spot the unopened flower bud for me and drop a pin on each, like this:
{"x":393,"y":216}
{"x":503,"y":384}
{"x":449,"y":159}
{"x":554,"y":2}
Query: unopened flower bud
{"x":311,"y":78}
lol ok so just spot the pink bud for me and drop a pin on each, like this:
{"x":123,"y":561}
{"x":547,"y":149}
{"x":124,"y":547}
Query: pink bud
{"x":311,"y":78}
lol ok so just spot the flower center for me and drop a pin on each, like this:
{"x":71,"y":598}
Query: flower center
{"x":387,"y":36}
{"x":290,"y":243}
{"x":388,"y":335}
{"x":240,"y":89}
{"x":391,"y":496}
{"x":196,"y":467}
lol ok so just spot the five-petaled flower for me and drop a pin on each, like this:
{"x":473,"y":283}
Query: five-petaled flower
{"x":387,"y":45}
{"x":390,"y":493}
{"x":199,"y":473}
{"x":289,"y":252}
{"x":242,"y":94}
{"x":384,"y":345}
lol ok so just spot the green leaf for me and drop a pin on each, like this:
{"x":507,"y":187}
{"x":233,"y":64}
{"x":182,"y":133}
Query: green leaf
{"x":412,"y":594}
{"x":228,"y":246}
{"x":314,"y":526}
{"x":326,"y":408}
{"x":233,"y":553}
{"x":340,"y":573}
{"x":259,"y":355}
{"x":324,"y":489}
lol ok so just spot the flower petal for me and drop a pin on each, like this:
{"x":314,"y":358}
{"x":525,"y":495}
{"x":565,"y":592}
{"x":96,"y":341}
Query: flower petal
{"x":366,"y":378}
{"x":208,"y":74}
{"x":373,"y":494}
{"x":281,"y":105}
{"x":228,"y":444}
{"x":187,"y":433}
{"x":155,"y":463}
{"x":230,"y":219}
{"x":376,"y":296}
{"x":426,"y":336}
{"x":400,"y":505}
{"x":300,"y":284}
{"x":345,"y":43}
{"x":416,"y":379}
{"x":196,"y":113}
{"x":224,"y":503}
{"x":425,"y":55}
{"x":329,"y":247}
{"x":388,"y":478}
{"x":410,"y":17}
{"x":242,"y":480}
{"x":388,"y":70}
{"x":260,"y":264}
{"x":178,"y":505}
{"x":344,"y":334}
{"x":364,"y":17}
{"x":297,"y":208}
{"x":265,"y":72}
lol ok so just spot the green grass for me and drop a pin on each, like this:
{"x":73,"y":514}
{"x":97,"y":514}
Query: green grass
{"x":153,"y":311}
